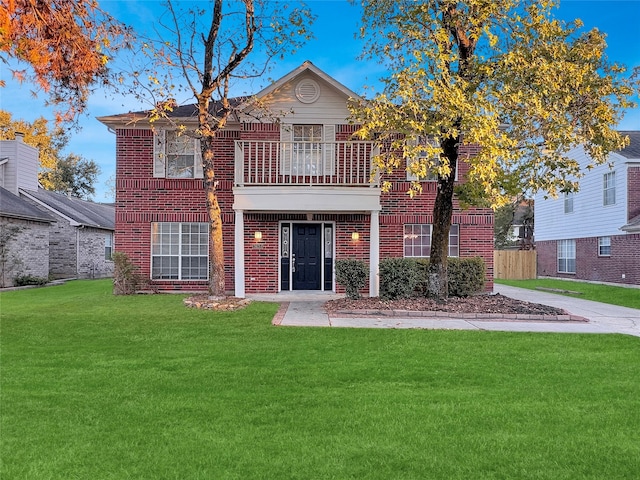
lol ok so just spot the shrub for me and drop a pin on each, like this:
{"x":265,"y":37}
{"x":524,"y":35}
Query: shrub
{"x":466,"y":276}
{"x":352,"y":275}
{"x":24,"y":280}
{"x":398,"y":278}
{"x":126,"y":279}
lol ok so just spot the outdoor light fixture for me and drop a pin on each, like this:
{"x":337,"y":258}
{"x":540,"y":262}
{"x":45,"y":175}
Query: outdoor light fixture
{"x":355,"y":236}
{"x":257,"y":235}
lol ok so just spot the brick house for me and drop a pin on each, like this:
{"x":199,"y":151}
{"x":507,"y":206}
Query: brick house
{"x":57,"y":236}
{"x":295,"y":189}
{"x":594,"y":234}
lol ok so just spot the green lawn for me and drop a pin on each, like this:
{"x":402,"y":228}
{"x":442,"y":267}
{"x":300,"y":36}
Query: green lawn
{"x":101,"y":387}
{"x":625,"y":297}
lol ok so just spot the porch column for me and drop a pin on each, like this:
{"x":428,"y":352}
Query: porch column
{"x":374,"y":254}
{"x":239,"y":254}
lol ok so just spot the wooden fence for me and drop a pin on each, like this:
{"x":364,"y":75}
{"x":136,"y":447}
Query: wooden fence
{"x":514,"y":264}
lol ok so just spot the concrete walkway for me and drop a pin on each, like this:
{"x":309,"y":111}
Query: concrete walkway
{"x":306,"y":309}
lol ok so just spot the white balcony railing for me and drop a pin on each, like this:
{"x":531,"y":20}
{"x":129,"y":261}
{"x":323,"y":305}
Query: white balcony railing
{"x":260,"y":162}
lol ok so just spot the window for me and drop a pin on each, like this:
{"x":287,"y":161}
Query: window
{"x":423,"y":156}
{"x":604,"y":246}
{"x":108,"y":246}
{"x":179,"y":251}
{"x":307,"y":149}
{"x":417,"y":240}
{"x":176,"y":155}
{"x":609,"y":188}
{"x":568,"y":203}
{"x":566,"y":256}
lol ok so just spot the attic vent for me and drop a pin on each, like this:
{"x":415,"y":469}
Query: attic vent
{"x":307,"y":91}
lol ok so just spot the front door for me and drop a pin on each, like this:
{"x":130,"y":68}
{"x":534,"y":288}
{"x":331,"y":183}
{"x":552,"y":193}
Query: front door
{"x":306,"y":256}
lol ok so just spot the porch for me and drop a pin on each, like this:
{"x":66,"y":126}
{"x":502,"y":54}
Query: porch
{"x":311,"y":179}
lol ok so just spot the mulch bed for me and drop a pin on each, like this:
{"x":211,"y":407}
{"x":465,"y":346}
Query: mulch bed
{"x":498,"y":304}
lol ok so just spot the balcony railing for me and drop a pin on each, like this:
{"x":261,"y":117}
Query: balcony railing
{"x":259,"y":162}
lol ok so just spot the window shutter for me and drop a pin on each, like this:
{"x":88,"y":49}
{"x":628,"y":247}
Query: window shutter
{"x":159,"y":153}
{"x":329,"y":137}
{"x":197,"y":158}
{"x":286,"y":135}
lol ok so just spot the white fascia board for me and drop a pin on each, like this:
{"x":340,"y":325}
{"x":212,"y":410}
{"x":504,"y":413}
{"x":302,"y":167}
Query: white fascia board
{"x":307,"y":199}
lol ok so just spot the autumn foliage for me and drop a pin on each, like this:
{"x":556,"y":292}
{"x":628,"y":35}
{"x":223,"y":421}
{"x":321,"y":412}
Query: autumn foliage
{"x":66,"y":43}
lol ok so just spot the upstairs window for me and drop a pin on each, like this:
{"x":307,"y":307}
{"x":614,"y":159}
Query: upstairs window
{"x":307,"y":149}
{"x":568,"y":203}
{"x":609,"y":189}
{"x":423,"y":156}
{"x":176,"y":155}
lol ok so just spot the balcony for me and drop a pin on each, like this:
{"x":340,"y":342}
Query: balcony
{"x":305,"y":176}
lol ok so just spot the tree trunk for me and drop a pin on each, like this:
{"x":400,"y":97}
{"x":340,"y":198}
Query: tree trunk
{"x":216,"y":246}
{"x":437,"y":286}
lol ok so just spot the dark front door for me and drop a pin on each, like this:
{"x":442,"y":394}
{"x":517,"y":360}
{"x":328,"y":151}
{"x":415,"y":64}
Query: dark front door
{"x":306,"y":250}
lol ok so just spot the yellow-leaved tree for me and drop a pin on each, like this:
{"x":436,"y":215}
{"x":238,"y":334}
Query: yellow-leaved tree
{"x":506,"y":77}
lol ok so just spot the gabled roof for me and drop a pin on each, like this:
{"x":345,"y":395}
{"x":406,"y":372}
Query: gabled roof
{"x":77,"y":211}
{"x":239,"y":103}
{"x":15,"y":207}
{"x":307,"y":66}
{"x":632,"y":151}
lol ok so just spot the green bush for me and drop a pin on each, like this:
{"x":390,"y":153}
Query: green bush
{"x":126,"y":279}
{"x":24,"y":280}
{"x":398,"y":278}
{"x":466,"y":276}
{"x":352,"y":275}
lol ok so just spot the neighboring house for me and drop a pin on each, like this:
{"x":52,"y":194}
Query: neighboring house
{"x":24,"y":228}
{"x":81,"y":239}
{"x":594,"y":234}
{"x":522,"y":227}
{"x":60,"y":236}
{"x":296,"y":194}
{"x":24,"y":239}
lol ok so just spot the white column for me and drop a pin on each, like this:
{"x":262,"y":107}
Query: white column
{"x":374,"y":254}
{"x":239,"y":254}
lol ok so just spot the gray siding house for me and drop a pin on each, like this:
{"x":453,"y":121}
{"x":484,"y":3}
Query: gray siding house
{"x":58,"y":236}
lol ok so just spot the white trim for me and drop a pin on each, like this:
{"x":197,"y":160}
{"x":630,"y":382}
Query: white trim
{"x":239,"y":287}
{"x":374,"y":254}
{"x":306,"y":199}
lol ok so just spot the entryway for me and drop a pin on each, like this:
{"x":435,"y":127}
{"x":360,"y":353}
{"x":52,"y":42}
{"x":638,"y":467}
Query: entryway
{"x":306,"y":256}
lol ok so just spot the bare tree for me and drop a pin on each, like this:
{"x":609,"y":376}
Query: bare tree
{"x":202,"y":51}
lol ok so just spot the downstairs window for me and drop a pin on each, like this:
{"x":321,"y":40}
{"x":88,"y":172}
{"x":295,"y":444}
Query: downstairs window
{"x":179,"y":251}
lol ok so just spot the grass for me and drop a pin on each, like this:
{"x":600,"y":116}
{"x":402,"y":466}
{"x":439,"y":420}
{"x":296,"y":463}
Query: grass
{"x":101,"y":387}
{"x":622,"y":296}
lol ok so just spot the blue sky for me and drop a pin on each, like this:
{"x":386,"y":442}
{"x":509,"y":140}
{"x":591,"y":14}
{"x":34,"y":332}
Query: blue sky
{"x":334,"y":50}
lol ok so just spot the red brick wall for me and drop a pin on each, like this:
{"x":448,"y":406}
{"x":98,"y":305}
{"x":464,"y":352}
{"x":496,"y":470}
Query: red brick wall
{"x":142,"y":199}
{"x":633,"y":189}
{"x":624,"y":259}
